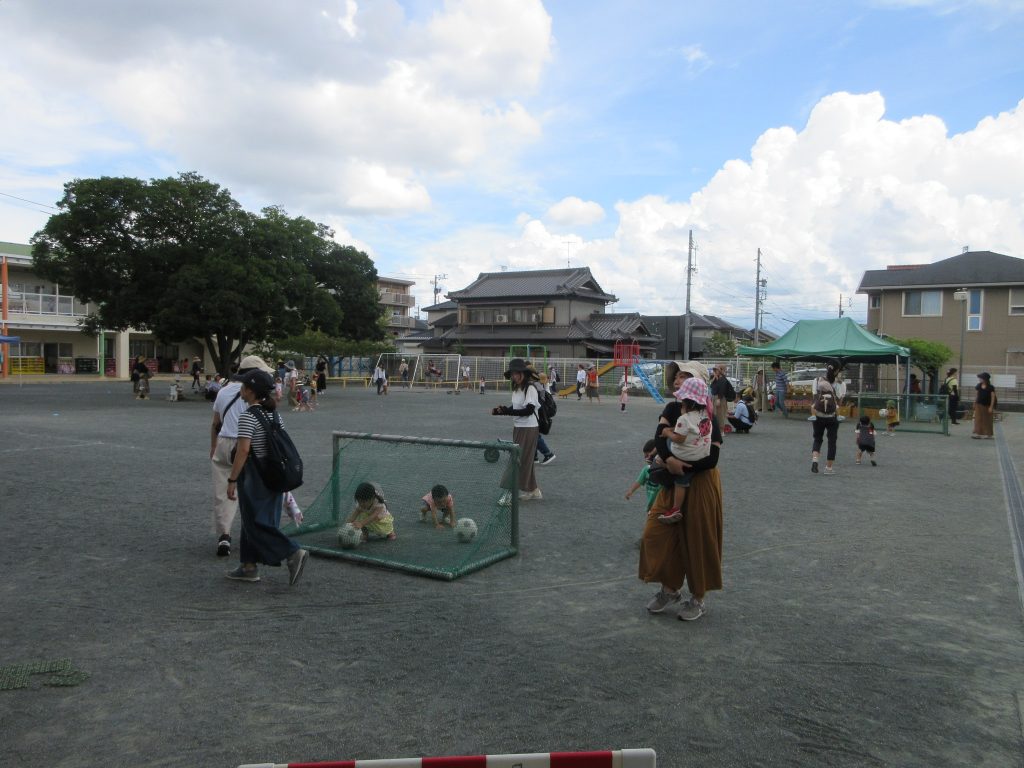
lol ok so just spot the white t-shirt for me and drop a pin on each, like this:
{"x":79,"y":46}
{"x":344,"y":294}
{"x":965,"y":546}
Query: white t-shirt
{"x":519,"y":401}
{"x":229,"y":420}
{"x":696,"y":427}
{"x":581,"y":376}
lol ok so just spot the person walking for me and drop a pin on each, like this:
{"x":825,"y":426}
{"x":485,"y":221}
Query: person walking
{"x":403,"y":373}
{"x":593,"y":385}
{"x":825,"y":415}
{"x":984,"y":408}
{"x":227,"y":407}
{"x":581,"y":381}
{"x":781,"y":385}
{"x":197,"y":370}
{"x":951,"y":388}
{"x":262,"y":541}
{"x":525,"y":427}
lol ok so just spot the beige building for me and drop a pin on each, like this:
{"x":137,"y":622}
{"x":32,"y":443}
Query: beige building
{"x":46,"y":319}
{"x":398,"y":302}
{"x":921,"y":301}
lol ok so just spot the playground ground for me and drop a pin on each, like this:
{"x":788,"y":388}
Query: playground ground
{"x":870,"y":618}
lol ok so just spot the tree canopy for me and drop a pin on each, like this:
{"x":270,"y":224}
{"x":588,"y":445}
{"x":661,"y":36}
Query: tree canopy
{"x":719,"y":344}
{"x":181,"y":258}
{"x":928,"y":356}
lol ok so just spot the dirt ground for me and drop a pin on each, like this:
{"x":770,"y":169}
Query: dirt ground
{"x":870,"y":618}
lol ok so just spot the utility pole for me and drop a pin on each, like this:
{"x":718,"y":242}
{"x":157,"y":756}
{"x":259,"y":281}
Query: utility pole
{"x":435,"y":281}
{"x":758,"y":298}
{"x":689,"y":276}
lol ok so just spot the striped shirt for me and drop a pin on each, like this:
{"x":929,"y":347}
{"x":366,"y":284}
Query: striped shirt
{"x":250,"y":427}
{"x":781,"y":382}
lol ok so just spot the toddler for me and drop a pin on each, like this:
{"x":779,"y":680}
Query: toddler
{"x":689,"y":441}
{"x":291,"y":507}
{"x":438,"y":499}
{"x":643,"y":480}
{"x":278,"y":388}
{"x":864,"y":434}
{"x":483,"y":385}
{"x":371,"y":514}
{"x":623,"y":396}
{"x":892,"y":418}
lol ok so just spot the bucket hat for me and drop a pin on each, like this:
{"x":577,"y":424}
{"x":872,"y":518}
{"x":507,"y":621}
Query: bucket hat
{"x":251,"y":363}
{"x":520,"y":365}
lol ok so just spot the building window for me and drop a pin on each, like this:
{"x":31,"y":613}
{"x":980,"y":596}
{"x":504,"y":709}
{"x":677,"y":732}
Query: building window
{"x":1017,"y":301}
{"x":974,"y":305}
{"x":922,"y":303}
{"x":875,"y":300}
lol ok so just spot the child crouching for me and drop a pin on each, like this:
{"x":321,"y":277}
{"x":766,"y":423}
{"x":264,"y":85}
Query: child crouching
{"x":371,"y":514}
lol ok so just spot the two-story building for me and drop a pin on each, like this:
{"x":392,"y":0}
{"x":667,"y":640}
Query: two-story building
{"x":921,"y":301}
{"x":46,"y":318}
{"x":672,"y":330}
{"x":562,"y":310}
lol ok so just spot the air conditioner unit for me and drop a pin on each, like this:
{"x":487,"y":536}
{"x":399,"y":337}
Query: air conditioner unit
{"x":501,"y":318}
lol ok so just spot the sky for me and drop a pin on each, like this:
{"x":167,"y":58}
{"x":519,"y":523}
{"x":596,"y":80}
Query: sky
{"x":451,"y":137}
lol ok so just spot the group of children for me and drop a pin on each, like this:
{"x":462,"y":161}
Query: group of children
{"x":372,"y":516}
{"x":689,"y":441}
{"x":304,"y":395}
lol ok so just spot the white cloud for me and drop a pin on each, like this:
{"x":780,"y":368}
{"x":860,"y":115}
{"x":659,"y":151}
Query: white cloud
{"x":696,"y":59}
{"x":574,"y":212}
{"x":355,"y":108}
{"x":849,"y":191}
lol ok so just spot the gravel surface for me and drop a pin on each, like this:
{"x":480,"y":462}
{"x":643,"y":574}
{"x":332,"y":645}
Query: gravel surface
{"x":869,"y":618}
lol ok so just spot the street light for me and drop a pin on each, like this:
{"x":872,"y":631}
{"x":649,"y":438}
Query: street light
{"x":961,"y":296}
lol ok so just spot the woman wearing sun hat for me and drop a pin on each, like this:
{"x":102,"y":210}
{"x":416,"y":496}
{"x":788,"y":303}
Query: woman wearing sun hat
{"x":690,"y":552}
{"x":525,"y":427}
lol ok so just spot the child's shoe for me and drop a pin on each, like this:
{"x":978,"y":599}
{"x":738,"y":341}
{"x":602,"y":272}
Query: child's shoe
{"x":672,"y":516}
{"x":814,"y":466}
{"x":392,"y":536}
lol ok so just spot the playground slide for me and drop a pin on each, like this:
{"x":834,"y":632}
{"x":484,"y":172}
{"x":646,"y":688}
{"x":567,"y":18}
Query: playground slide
{"x":566,"y":391}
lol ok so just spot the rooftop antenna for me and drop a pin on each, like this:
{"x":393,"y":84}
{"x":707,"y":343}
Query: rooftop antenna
{"x":567,"y":244}
{"x":966,"y":249}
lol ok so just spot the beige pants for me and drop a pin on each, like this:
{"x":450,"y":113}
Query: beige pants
{"x":224,"y":509}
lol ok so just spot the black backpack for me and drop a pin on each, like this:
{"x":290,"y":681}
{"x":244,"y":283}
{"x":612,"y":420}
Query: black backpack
{"x":281,"y":468}
{"x":548,"y":409}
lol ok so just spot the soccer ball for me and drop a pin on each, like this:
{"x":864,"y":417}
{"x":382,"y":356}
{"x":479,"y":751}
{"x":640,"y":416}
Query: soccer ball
{"x":883,"y":412}
{"x":349,"y":536}
{"x":491,"y":455}
{"x":465,"y":530}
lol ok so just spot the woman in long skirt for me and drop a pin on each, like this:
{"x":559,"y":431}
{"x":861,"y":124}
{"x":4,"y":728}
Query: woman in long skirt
{"x":525,"y":427}
{"x":260,"y":508}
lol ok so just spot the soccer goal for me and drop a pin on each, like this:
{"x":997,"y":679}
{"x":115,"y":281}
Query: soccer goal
{"x":482,"y":478}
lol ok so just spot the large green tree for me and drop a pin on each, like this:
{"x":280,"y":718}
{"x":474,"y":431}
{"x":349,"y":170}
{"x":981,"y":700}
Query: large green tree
{"x":180,"y":257}
{"x":350,"y":277}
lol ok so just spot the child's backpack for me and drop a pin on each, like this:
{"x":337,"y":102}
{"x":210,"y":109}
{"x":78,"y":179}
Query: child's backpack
{"x":548,"y":409}
{"x":825,"y":404}
{"x":281,"y":468}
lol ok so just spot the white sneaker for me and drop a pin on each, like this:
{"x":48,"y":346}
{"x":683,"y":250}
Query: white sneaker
{"x":534,"y":495}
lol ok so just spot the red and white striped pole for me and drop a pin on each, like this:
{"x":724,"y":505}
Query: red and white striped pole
{"x":621,"y":758}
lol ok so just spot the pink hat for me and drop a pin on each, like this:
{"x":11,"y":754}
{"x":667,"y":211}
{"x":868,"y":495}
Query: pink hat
{"x":696,"y":390}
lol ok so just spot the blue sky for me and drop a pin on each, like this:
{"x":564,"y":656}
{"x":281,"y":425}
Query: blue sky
{"x":474,"y":135}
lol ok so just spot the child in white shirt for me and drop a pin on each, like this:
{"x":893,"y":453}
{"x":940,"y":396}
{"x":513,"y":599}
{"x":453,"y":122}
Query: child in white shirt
{"x":690,"y":440}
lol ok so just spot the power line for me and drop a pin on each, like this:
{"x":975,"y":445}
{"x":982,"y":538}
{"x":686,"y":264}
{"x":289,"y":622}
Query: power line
{"x":26,"y":200}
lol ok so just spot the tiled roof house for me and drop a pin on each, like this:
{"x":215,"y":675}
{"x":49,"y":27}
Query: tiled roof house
{"x":560,"y":309}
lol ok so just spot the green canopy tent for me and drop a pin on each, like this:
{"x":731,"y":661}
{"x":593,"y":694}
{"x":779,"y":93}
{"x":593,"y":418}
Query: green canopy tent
{"x":841,"y":340}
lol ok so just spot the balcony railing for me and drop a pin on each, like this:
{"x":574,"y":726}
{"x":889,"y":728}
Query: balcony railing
{"x":46,"y":304}
{"x":397,"y":299}
{"x":398,"y":321}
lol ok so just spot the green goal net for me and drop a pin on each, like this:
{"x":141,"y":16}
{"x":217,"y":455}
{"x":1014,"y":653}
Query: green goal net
{"x":482,"y":478}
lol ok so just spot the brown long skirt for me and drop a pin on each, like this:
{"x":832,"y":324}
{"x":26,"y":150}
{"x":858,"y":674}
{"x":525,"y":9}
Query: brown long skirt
{"x":691,"y":549}
{"x":983,"y":421}
{"x":526,"y":439}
